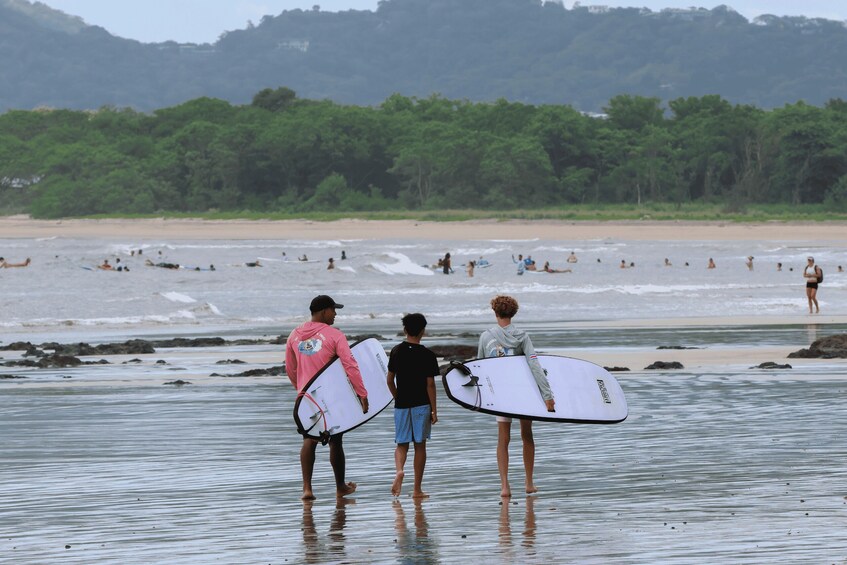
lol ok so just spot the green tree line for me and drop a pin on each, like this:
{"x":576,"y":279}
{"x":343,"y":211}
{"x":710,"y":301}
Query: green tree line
{"x":285,"y":154}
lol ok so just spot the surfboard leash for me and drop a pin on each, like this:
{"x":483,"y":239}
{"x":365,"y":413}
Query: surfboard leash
{"x":473,"y":381}
{"x":324,"y":435}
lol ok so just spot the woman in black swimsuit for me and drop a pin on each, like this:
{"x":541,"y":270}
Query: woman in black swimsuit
{"x":812,"y":279}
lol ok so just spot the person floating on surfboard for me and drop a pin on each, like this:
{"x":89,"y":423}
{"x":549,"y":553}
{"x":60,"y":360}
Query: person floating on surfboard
{"x":307,"y":350}
{"x":499,"y":341}
{"x":412,"y":369}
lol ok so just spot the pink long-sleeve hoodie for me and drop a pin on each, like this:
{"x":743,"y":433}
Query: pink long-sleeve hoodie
{"x":313,"y":345}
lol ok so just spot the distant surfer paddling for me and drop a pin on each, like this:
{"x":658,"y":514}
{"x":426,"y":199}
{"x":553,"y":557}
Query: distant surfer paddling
{"x":499,"y":341}
{"x":308,"y":349}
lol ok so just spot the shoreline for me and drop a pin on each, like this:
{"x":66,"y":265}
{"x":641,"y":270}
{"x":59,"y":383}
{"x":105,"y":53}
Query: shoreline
{"x":16,"y":227}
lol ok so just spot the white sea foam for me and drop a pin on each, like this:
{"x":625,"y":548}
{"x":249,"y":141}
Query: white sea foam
{"x":402,"y":266}
{"x":177,"y":297}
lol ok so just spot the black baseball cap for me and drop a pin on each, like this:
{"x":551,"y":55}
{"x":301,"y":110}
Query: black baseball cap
{"x":322,"y":302}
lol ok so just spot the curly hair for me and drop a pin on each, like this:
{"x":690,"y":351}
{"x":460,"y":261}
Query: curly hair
{"x":504,"y":306}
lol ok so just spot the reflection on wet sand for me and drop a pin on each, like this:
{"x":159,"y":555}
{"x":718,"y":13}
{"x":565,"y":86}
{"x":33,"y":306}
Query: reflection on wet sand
{"x":505,"y":530}
{"x":420,"y":549}
{"x":314,"y":551}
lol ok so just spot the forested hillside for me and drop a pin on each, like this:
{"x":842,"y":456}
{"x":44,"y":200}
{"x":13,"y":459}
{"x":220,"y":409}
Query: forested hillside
{"x":480,"y":50}
{"x":282,"y":153}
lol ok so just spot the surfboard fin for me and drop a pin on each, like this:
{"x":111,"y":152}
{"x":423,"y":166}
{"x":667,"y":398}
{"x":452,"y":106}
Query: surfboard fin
{"x":474,"y":381}
{"x":465,"y":370}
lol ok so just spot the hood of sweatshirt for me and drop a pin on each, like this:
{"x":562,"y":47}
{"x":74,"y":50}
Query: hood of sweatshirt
{"x":310,"y":329}
{"x":510,"y":336}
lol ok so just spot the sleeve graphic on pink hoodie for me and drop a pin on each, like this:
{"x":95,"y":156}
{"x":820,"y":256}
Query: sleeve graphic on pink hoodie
{"x":314,"y":344}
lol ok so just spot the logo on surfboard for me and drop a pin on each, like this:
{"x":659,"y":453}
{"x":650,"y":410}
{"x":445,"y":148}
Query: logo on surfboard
{"x":603,"y":392}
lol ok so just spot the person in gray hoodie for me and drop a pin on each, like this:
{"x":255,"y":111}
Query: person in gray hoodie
{"x":499,"y":341}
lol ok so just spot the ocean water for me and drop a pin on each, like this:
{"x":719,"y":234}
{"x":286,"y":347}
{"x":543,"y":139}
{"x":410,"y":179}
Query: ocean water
{"x":381,"y":280}
{"x":108,"y":464}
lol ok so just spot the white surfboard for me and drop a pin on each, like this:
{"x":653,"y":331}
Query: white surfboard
{"x":585,"y":393}
{"x":328,"y":405}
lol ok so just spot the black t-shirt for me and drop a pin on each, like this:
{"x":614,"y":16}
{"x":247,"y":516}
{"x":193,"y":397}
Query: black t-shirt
{"x":412,"y":364}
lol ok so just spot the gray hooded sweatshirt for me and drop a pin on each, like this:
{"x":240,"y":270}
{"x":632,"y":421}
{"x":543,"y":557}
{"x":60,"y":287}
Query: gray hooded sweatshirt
{"x":499,"y":342}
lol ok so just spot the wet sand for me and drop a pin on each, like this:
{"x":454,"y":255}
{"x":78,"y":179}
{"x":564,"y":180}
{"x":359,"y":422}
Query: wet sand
{"x":23,"y":226}
{"x":711,"y":466}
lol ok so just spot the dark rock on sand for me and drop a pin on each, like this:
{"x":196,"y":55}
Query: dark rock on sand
{"x":665,"y":365}
{"x":34,"y":352}
{"x":616,"y":369}
{"x":11,"y":377}
{"x":362,"y":337}
{"x":49,"y":361}
{"x":195,"y":342}
{"x":771,"y":365}
{"x":272,"y":372}
{"x":454,"y":352}
{"x":676,"y":347}
{"x":17,"y":346}
{"x":131,"y":361}
{"x":831,"y":347}
{"x":179,"y":382}
{"x":230,"y":362}
{"x":131,"y":347}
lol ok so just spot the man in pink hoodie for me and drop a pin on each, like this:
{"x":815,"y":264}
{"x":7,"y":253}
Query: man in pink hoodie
{"x":308,"y":349}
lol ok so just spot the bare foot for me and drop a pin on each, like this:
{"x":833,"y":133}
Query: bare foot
{"x":397,"y":485}
{"x":506,"y":492}
{"x":349,"y":488}
{"x":531,"y":489}
{"x":307,"y":495}
{"x":420,"y":495}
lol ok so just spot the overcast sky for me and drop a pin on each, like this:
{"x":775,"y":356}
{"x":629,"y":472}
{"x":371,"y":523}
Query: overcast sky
{"x":200,"y":21}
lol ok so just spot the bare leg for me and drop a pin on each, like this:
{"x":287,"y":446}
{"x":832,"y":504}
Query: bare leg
{"x":399,"y":463}
{"x":307,"y":465}
{"x":814,"y":298}
{"x":503,"y":433}
{"x":420,"y":464}
{"x":809,"y":297}
{"x":339,"y":463}
{"x":528,"y":454}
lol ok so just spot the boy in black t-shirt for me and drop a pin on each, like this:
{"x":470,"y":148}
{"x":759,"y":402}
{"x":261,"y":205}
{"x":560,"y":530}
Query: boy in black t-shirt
{"x":414,"y":368}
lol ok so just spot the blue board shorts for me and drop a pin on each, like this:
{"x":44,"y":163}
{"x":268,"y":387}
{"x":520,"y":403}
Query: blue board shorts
{"x":412,"y":425}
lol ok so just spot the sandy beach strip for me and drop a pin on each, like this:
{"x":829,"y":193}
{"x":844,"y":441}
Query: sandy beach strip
{"x":197,"y":229}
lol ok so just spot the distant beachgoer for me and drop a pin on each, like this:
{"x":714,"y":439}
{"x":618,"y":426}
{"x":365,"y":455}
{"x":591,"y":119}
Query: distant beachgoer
{"x":520,"y":259}
{"x":711,"y":263}
{"x":572,"y":258}
{"x":779,"y":266}
{"x":632,"y":264}
{"x":284,"y":257}
{"x":812,"y":279}
{"x":686,"y":263}
{"x":667,"y":262}
{"x":253,"y":264}
{"x":211,"y":267}
{"x":412,"y":369}
{"x":6,"y":265}
{"x":470,"y":268}
{"x":105,"y":266}
{"x":598,"y":260}
{"x":499,"y":341}
{"x":303,"y":258}
{"x":331,"y":264}
{"x":162,"y":265}
{"x":447,"y":264}
{"x":749,"y":262}
{"x":530,"y":263}
{"x":308,"y":348}
{"x":840,"y":269}
{"x":482,"y":262}
{"x":548,"y":269}
{"x":343,"y":255}
{"x":623,"y":264}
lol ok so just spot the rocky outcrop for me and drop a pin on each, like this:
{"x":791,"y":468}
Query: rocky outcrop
{"x":831,"y":347}
{"x":454,"y":352}
{"x":272,"y":372}
{"x":771,"y":365}
{"x":664,"y":365}
{"x":616,"y":369}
